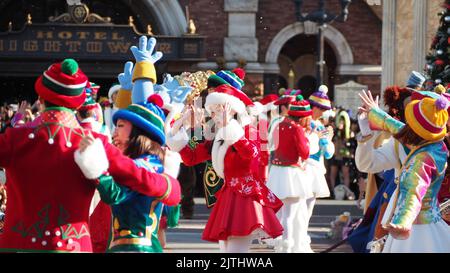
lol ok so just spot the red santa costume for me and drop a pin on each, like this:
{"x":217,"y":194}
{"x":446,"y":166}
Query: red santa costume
{"x":288,"y":178}
{"x":245,"y":207}
{"x":49,"y":194}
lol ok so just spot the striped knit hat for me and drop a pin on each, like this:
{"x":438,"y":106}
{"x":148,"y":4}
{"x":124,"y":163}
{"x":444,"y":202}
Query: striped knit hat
{"x":320,"y":98}
{"x":63,"y":84}
{"x":428,"y":117}
{"x":234,"y":78}
{"x":288,"y":96}
{"x":300,"y":107}
{"x":147,"y":116}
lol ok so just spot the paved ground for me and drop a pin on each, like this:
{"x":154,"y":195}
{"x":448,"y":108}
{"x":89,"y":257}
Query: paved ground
{"x":186,"y":238}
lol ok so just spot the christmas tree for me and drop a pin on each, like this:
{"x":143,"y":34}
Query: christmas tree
{"x":438,"y":60}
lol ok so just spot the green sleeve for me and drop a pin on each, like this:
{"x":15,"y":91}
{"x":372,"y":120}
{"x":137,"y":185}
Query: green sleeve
{"x":111,"y":192}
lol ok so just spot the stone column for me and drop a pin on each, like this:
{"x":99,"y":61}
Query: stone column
{"x":241,"y":42}
{"x":420,"y":34}
{"x":388,"y":43}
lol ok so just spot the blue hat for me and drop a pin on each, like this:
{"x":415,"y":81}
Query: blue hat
{"x":416,"y":79}
{"x":147,"y":116}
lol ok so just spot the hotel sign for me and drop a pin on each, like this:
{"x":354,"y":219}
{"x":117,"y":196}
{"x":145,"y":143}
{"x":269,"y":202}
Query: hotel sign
{"x":91,"y":42}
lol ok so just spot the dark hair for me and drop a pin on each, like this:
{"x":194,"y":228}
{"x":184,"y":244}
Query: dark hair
{"x":281,"y":105}
{"x":294,"y":118}
{"x":394,"y":98}
{"x":86,"y":113}
{"x":49,"y":104}
{"x":140,"y":143}
{"x":408,"y":137}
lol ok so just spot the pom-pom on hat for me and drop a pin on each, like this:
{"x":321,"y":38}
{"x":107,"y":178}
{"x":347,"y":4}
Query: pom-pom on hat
{"x":147,"y":116}
{"x":300,"y":107}
{"x":234,"y":78}
{"x":320,"y":98}
{"x":224,"y":93}
{"x":428,"y":117}
{"x":63,"y":84}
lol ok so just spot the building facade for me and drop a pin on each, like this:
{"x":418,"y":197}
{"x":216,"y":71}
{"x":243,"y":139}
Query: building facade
{"x":377,"y":45}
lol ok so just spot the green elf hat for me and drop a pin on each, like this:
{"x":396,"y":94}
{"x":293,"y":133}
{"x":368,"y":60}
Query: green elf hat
{"x":147,"y":116}
{"x":63,"y":84}
{"x":300,"y":107}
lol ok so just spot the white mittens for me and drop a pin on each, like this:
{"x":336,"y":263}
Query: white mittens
{"x":93,"y":162}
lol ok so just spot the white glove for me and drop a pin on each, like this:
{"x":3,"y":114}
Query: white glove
{"x":363,"y":122}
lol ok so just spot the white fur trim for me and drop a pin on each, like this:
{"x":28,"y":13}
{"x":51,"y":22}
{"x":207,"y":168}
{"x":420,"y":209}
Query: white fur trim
{"x":172,"y":161}
{"x":256,"y":109}
{"x":112,"y":90}
{"x":221,"y":98}
{"x":244,"y":119}
{"x":93,"y":161}
{"x":270,"y":107}
{"x":94,"y":202}
{"x":230,"y":134}
{"x":178,"y":141}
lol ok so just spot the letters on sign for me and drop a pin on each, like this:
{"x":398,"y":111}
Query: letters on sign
{"x":90,"y":42}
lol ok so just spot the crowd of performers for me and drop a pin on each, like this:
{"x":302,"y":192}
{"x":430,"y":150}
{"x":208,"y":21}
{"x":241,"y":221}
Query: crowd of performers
{"x":86,"y":179}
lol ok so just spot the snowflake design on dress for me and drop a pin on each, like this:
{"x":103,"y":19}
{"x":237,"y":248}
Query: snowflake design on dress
{"x":234,"y":182}
{"x":258,"y":186}
{"x":248,"y":179}
{"x":246,"y":189}
{"x":271,"y":197}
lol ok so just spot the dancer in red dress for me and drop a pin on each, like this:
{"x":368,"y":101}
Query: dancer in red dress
{"x":245,"y":207}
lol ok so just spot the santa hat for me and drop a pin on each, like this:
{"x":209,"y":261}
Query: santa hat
{"x":147,"y":116}
{"x":222,"y":94}
{"x":114,"y":88}
{"x":320,"y":98}
{"x":234,"y":78}
{"x":63,"y":84}
{"x":268,"y":102}
{"x":300,"y":107}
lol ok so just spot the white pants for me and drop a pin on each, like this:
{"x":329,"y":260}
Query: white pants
{"x":293,"y":217}
{"x":310,"y":203}
{"x":236,"y":244}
